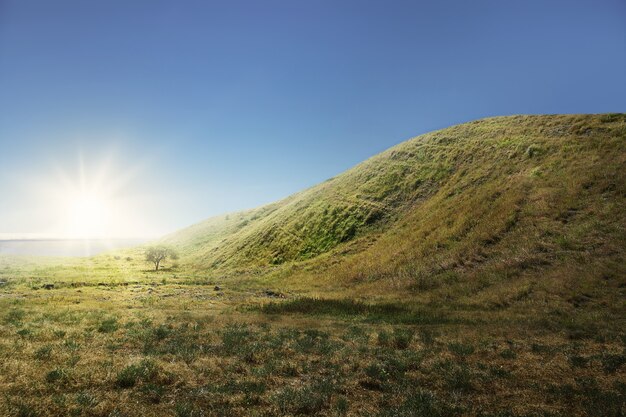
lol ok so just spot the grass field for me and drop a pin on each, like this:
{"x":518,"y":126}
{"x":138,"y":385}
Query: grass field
{"x":478,"y":270}
{"x":160,"y":343}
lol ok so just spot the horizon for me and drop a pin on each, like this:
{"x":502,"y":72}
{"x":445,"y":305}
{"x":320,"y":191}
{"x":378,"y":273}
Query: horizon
{"x":185,"y":113}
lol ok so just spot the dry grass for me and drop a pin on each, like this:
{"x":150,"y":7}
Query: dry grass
{"x":478,"y":270}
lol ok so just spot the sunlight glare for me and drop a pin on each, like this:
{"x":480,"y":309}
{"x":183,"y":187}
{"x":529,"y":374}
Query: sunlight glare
{"x":89,"y":215}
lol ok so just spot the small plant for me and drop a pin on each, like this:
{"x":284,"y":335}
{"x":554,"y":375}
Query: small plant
{"x":132,"y":374}
{"x":342,"y":406}
{"x":187,"y":410}
{"x":611,"y":363}
{"x":14,"y":317}
{"x":419,"y":403}
{"x":428,"y":337}
{"x":400,"y":338}
{"x":234,"y":337}
{"x":578,"y":361}
{"x":55,"y":376}
{"x":533,"y":150}
{"x":43,"y":353}
{"x":24,"y":410}
{"x":108,"y":325}
{"x":508,"y":354}
{"x":86,"y":399}
{"x":71,"y":344}
{"x":384,"y":338}
{"x":461,"y":349}
{"x":59,"y":334}
{"x":308,"y":400}
{"x":25,"y":332}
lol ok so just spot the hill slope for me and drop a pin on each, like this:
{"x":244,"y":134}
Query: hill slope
{"x":500,"y":197}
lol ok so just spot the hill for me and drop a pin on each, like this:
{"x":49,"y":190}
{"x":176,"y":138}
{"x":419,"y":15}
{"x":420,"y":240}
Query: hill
{"x":480,"y":203}
{"x":474,"y":271}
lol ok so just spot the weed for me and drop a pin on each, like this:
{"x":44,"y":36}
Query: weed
{"x":132,"y":374}
{"x":86,"y":399}
{"x":611,"y":362}
{"x":55,"y":375}
{"x":461,"y":349}
{"x":108,"y":325}
{"x":508,"y":354}
{"x":43,"y":353}
{"x":186,"y":409}
{"x":308,"y":400}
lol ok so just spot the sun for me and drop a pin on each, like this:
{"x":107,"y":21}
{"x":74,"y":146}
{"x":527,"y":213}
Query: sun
{"x":99,"y":198}
{"x":89,"y":215}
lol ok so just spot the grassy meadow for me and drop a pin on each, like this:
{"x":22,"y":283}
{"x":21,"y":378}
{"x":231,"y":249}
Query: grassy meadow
{"x":474,"y":271}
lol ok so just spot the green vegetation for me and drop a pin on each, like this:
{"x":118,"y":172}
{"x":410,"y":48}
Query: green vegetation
{"x":477,"y":270}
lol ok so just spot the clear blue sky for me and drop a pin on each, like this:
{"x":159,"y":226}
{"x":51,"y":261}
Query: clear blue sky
{"x":205,"y":107}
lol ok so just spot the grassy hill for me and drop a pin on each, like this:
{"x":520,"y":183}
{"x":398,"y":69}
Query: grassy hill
{"x":474,"y":271}
{"x":484,"y":204}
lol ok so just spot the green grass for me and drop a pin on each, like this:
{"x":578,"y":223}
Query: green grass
{"x":477,"y":270}
{"x":348,"y":308}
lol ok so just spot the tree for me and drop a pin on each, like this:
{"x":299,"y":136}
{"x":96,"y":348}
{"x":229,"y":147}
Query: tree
{"x":157,"y":254}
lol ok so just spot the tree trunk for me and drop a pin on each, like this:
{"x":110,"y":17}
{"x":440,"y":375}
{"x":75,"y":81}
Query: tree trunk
{"x":156,"y":265}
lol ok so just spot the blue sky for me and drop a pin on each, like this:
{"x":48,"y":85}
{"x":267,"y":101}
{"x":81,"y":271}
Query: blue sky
{"x":194,"y":108}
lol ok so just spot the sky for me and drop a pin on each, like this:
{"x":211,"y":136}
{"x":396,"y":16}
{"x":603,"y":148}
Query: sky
{"x":136,"y":118}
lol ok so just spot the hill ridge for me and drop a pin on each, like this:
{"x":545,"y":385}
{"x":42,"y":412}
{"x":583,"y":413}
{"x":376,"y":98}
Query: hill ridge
{"x":448,"y":203}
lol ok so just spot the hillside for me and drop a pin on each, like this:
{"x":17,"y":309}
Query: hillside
{"x":474,"y":271}
{"x":501,"y":196}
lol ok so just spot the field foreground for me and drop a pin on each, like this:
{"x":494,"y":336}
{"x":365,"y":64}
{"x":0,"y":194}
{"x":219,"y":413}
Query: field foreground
{"x":165,"y":344}
{"x":478,"y":270}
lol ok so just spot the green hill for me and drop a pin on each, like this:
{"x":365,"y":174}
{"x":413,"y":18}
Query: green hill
{"x":474,"y":271}
{"x":491,"y":212}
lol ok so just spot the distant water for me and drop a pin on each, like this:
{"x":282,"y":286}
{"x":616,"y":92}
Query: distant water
{"x":62,"y":247}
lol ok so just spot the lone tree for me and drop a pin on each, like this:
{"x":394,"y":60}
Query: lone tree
{"x":157,"y":254}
